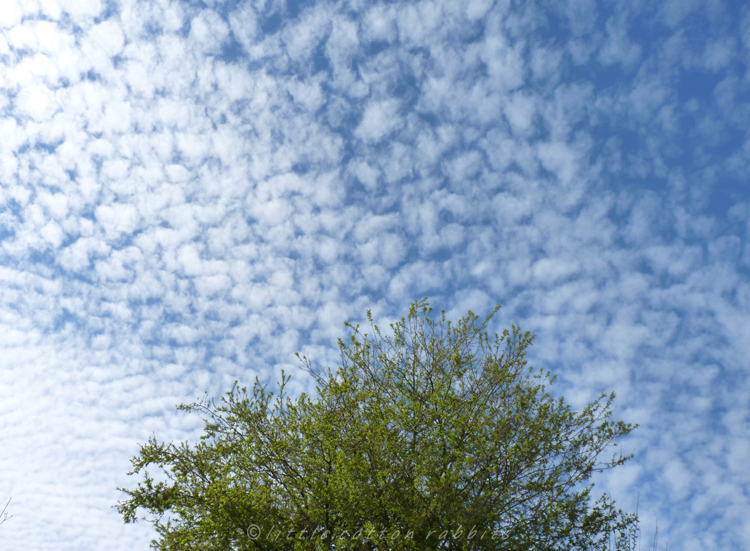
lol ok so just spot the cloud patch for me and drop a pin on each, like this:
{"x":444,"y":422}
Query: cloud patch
{"x":189,"y":195}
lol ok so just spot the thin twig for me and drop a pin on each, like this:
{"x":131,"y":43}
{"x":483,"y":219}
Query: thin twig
{"x":3,"y":515}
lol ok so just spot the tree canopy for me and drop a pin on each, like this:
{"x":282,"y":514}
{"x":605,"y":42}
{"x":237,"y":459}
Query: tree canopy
{"x":433,"y":435}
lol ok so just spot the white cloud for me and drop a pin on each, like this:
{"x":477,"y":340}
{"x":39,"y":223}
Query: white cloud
{"x":244,"y":25}
{"x":520,"y":112}
{"x":208,"y":31}
{"x":365,"y":174}
{"x":379,"y":120}
{"x":52,"y":233}
{"x":340,"y":47}
{"x":618,"y":48}
{"x":379,"y":23}
{"x":477,"y":9}
{"x":82,"y":11}
{"x":504,"y":63}
{"x":560,"y":159}
{"x":107,"y":36}
{"x":418,"y":22}
{"x":549,"y":271}
{"x":23,"y":37}
{"x":546,"y":64}
{"x":719,"y":54}
{"x":117,"y":218}
{"x":37,"y":102}
{"x":303,"y":39}
{"x":309,"y":95}
{"x":11,"y":14}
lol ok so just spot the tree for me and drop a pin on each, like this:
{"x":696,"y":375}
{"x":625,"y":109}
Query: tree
{"x":436,"y":436}
{"x":3,"y":514}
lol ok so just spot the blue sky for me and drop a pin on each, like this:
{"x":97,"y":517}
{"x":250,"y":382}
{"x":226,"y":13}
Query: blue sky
{"x":192,"y":191}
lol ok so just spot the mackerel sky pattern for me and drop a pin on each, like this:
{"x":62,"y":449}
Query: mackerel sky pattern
{"x":191,"y":191}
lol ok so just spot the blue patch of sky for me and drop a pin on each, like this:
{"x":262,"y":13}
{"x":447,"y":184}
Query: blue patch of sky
{"x":729,"y":191}
{"x":686,"y":147}
{"x":6,"y":232}
{"x":301,"y":167}
{"x":68,"y":240}
{"x":473,"y":32}
{"x":696,"y":85}
{"x":320,"y":60}
{"x":380,"y":202}
{"x":110,"y":9}
{"x":66,"y":22}
{"x":429,"y":118}
{"x":296,"y":7}
{"x":47,"y":147}
{"x":45,"y":261}
{"x":87,"y":276}
{"x":20,"y":53}
{"x":198,"y":5}
{"x":231,"y":50}
{"x":271,"y":23}
{"x":117,"y":61}
{"x":93,"y":76}
{"x":552,"y":25}
{"x":152,"y":28}
{"x":371,"y":49}
{"x":442,"y":256}
{"x":64,"y":318}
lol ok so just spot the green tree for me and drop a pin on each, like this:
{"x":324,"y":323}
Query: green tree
{"x":436,"y":436}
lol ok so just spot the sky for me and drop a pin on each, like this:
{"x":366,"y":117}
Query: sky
{"x":191,"y":191}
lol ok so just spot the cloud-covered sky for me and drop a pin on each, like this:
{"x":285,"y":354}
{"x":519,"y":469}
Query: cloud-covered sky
{"x":191,"y":191}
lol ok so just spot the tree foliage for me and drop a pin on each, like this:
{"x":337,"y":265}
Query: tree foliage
{"x":432,"y":436}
